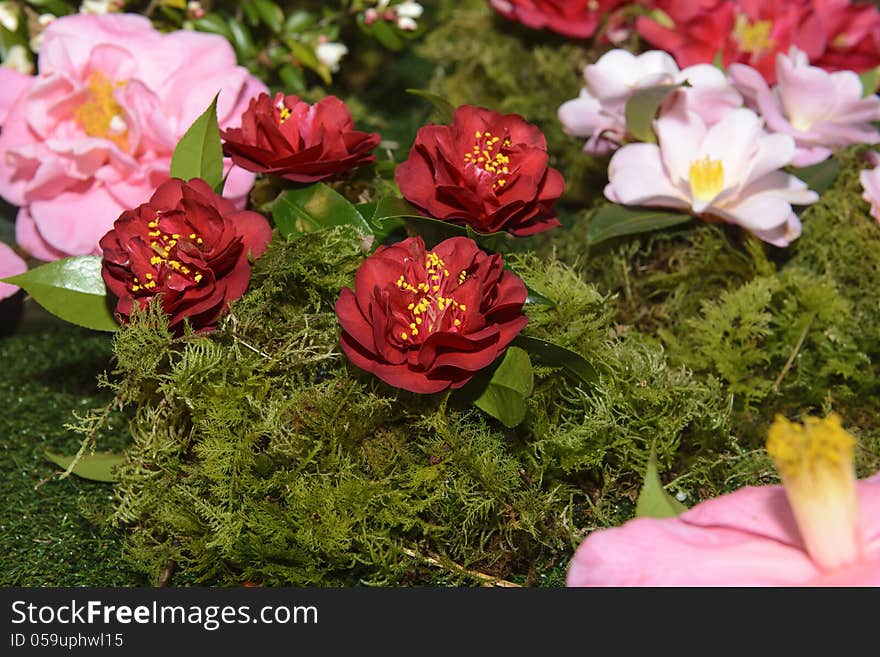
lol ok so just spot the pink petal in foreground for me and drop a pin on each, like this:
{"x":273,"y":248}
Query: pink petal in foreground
{"x":10,"y":265}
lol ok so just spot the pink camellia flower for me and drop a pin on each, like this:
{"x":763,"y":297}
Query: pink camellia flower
{"x":10,"y":265}
{"x":820,"y":528}
{"x":93,"y":133}
{"x":599,"y":113}
{"x":728,"y":172}
{"x":870,"y":179}
{"x":822,"y":111}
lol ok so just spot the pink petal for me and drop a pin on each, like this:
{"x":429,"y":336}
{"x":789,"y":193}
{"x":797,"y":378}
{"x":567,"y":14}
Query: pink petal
{"x":637,"y":177}
{"x":10,"y":265}
{"x":870,"y":179}
{"x":29,"y":238}
{"x":580,"y":116}
{"x":14,"y":85}
{"x":74,"y":222}
{"x":680,"y":134}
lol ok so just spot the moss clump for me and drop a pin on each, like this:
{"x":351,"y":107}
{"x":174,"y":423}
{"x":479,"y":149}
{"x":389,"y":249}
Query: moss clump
{"x":260,"y":454}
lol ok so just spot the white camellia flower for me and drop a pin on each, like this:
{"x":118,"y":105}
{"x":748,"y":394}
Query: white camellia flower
{"x":729,"y":171}
{"x":330,"y":54}
{"x":599,"y":113}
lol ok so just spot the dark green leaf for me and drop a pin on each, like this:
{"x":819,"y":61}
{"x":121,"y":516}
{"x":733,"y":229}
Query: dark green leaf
{"x":555,"y":355}
{"x":242,"y":40}
{"x":504,"y":398}
{"x":96,"y":467}
{"x":641,"y":108}
{"x":821,"y":176}
{"x":654,"y":501}
{"x":306,"y":56}
{"x":271,"y":14}
{"x":215,"y":24}
{"x":617,"y":220}
{"x":445,"y":110}
{"x":313,"y":208}
{"x":200,"y":153}
{"x":535,"y":298}
{"x":299,"y":21}
{"x":387,"y":35}
{"x":293,"y":80}
{"x":71,"y":289}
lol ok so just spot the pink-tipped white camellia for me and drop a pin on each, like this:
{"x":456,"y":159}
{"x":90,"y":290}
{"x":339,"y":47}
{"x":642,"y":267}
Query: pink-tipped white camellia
{"x":93,"y":132}
{"x":729,"y":172}
{"x":599,"y":113}
{"x":822,"y":111}
{"x":820,"y":528}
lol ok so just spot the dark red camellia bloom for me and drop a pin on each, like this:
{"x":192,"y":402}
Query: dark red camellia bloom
{"x":487,"y":170}
{"x":188,"y":245}
{"x":425,"y":320}
{"x":301,"y":142}
{"x":575,"y":18}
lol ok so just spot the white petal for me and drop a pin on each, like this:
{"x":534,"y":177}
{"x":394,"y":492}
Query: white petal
{"x":680,"y":134}
{"x":636,"y":177}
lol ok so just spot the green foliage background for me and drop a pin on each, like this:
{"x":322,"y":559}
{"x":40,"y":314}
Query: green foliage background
{"x":260,"y":455}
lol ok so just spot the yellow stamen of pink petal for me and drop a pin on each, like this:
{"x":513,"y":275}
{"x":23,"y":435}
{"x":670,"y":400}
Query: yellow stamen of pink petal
{"x":815,"y":460}
{"x":101,"y":115}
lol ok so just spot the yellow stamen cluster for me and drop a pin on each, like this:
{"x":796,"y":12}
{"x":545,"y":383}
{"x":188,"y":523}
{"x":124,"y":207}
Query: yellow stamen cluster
{"x":101,"y":115}
{"x":161,"y":243}
{"x":430,"y":304}
{"x":753,"y":38}
{"x":707,"y":178}
{"x":485,"y":156}
{"x":815,"y":460}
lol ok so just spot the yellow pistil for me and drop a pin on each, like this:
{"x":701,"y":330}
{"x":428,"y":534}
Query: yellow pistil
{"x":283,"y":115}
{"x":753,"y":38}
{"x":707,"y":178}
{"x":101,"y":115}
{"x":815,"y":460}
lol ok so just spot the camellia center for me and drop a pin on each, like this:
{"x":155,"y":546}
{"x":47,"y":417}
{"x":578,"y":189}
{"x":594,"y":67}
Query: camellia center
{"x":166,"y":266}
{"x":753,"y":36}
{"x":706,"y":177}
{"x":101,"y":115}
{"x":430,"y":306}
{"x":487,"y":156}
{"x":815,"y":460}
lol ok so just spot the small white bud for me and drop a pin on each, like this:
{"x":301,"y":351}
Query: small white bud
{"x":409,"y":9}
{"x":9,"y":16}
{"x":407,"y":23}
{"x":18,"y":58}
{"x":330,"y":54}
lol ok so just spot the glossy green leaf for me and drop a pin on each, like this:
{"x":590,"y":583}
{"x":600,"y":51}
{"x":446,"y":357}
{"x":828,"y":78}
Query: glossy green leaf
{"x":314,"y":208}
{"x":199,"y":154}
{"x":270,"y":13}
{"x":505,"y":395}
{"x":71,"y":289}
{"x":306,"y":56}
{"x":387,"y":34}
{"x":641,"y":108}
{"x":445,"y":110}
{"x":242,"y":40}
{"x":821,"y":176}
{"x":618,"y":220}
{"x":535,"y":298}
{"x":654,"y":501}
{"x":95,"y":467}
{"x":558,"y":356}
{"x":213,"y":23}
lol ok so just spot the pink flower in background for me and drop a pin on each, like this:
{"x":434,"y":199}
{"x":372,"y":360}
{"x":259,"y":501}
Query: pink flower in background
{"x":821,"y":528}
{"x":870,"y":179}
{"x":10,"y":265}
{"x":729,"y":172}
{"x":822,"y":111}
{"x":575,"y":19}
{"x":92,"y":134}
{"x":599,"y":113}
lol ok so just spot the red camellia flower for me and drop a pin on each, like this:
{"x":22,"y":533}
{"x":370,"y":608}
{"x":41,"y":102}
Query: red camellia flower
{"x":188,"y":245}
{"x":486,"y":170}
{"x":575,"y":18}
{"x":300,"y":142}
{"x":425,"y":320}
{"x":834,"y":33}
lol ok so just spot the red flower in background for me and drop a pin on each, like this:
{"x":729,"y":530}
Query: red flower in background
{"x":575,"y":18}
{"x":425,"y":320}
{"x":835,"y":34}
{"x":300,"y":142}
{"x":486,"y":170}
{"x":188,"y":245}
